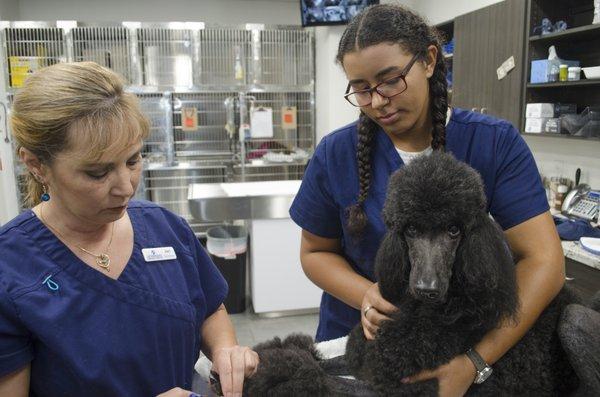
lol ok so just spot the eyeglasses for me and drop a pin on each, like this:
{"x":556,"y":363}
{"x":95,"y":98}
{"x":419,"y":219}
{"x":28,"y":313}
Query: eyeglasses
{"x":389,"y":88}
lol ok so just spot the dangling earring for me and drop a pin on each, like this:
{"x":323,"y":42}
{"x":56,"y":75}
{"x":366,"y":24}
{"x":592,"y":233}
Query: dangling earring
{"x":45,"y":196}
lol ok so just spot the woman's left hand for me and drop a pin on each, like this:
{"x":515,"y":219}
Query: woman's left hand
{"x":233,"y":364}
{"x":454,"y":378}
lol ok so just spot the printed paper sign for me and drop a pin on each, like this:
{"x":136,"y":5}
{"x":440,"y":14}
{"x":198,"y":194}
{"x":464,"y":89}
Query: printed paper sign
{"x":189,"y":119}
{"x":288,"y":117}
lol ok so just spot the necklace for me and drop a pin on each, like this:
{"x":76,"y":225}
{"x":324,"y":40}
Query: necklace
{"x":102,"y":259}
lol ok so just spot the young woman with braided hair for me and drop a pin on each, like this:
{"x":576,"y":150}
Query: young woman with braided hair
{"x":396,"y":75}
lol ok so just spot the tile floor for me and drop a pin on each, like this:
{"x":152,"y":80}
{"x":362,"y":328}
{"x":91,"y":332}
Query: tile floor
{"x":252,"y":329}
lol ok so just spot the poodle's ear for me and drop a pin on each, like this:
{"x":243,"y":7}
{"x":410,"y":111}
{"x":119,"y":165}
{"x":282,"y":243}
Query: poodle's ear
{"x":484,"y":263}
{"x":392,"y":266}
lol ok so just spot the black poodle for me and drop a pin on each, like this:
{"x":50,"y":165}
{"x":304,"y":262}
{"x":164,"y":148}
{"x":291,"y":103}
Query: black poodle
{"x":447,"y":267}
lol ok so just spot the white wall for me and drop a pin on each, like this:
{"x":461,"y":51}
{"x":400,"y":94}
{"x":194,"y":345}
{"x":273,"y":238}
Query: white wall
{"x":437,"y":11}
{"x":281,"y":12}
{"x":561,"y":157}
{"x":9,"y":10}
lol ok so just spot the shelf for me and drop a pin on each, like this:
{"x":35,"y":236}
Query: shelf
{"x":561,"y":136}
{"x":564,"y":84}
{"x":582,"y":32}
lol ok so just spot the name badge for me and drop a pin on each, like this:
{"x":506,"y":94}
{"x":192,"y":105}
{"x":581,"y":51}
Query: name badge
{"x":159,"y":254}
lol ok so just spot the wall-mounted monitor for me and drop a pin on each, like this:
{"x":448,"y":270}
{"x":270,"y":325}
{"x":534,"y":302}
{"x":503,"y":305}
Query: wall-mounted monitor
{"x":331,"y":12}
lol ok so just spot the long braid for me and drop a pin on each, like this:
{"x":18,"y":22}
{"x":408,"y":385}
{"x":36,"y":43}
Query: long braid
{"x":357,"y":218}
{"x":438,"y":94}
{"x":387,"y":23}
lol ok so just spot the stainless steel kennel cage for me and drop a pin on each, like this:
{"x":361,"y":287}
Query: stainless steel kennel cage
{"x":219,"y":73}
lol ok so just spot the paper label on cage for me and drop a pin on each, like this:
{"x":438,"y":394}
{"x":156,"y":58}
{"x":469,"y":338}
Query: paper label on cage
{"x":261,"y":123}
{"x":288,"y":117}
{"x":189,"y":119}
{"x":20,"y":68}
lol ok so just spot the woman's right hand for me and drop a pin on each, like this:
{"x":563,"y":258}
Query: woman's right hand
{"x":374,"y":310}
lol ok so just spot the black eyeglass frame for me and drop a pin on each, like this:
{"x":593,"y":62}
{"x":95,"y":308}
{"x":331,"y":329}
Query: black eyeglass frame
{"x":402,"y":75}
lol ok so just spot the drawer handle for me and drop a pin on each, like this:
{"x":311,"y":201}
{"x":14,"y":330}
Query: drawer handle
{"x":569,"y":278}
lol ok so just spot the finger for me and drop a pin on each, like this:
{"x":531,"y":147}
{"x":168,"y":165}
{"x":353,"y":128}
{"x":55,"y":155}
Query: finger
{"x":250,"y":362}
{"x":420,"y":377}
{"x":224,"y":370}
{"x":377,"y":318}
{"x":369,"y":329}
{"x":383,"y":306}
{"x":237,"y":370}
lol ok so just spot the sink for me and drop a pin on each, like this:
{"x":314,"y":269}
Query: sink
{"x":216,"y":202}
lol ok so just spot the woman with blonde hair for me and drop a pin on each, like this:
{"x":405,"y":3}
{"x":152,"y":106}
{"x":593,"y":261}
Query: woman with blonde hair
{"x":100,"y":294}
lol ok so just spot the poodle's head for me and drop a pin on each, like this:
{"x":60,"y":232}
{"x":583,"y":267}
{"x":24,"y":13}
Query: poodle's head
{"x":431,"y":204}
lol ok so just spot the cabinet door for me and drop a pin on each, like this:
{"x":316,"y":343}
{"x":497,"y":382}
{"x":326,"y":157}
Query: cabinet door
{"x":484,"y":39}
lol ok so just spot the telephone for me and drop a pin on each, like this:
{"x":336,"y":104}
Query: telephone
{"x":582,"y":202}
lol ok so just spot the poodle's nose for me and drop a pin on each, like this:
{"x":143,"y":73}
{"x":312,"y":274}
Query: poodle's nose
{"x":428,"y":291}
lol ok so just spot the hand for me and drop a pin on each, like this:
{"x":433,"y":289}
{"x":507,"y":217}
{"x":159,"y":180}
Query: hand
{"x":233,"y":364}
{"x":454,"y":378}
{"x":374,"y":310}
{"x":177,"y":392}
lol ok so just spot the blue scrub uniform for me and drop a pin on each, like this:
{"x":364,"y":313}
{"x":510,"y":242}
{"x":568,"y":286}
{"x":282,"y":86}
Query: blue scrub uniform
{"x":86,"y":334}
{"x":493,"y":147}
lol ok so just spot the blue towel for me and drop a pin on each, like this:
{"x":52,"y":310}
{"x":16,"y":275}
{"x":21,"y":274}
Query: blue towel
{"x":574,"y":229}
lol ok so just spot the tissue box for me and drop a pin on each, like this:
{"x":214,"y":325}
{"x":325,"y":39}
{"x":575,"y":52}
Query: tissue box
{"x":536,"y":124}
{"x":540,"y":69}
{"x":537,"y":110}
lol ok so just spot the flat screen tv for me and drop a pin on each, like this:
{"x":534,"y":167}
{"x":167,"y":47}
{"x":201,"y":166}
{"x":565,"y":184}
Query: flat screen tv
{"x":331,"y":12}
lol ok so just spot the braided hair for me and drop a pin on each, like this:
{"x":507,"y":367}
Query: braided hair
{"x":387,"y":23}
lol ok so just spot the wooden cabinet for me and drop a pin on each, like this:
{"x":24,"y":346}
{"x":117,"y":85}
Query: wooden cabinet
{"x":484,"y":39}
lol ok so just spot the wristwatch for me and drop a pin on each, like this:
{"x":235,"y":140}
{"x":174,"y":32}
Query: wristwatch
{"x":483,"y":369}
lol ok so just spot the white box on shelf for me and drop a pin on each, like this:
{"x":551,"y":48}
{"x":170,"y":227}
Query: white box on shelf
{"x":536,"y":124}
{"x":539,"y":110}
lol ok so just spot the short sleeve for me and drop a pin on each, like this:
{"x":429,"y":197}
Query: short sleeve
{"x":518,"y":193}
{"x":16,"y":348}
{"x":212,"y":282}
{"x":314,"y":209}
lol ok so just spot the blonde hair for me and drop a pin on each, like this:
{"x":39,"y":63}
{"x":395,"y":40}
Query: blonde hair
{"x":72,"y":101}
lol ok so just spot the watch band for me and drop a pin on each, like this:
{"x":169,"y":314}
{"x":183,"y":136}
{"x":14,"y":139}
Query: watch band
{"x":478,"y":361}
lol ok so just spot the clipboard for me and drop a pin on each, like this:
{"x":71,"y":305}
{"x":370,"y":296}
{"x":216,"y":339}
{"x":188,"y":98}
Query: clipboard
{"x":261,"y":122}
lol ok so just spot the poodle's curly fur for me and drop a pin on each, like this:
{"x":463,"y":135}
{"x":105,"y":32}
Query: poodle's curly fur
{"x":430,"y":195}
{"x":447,"y":267}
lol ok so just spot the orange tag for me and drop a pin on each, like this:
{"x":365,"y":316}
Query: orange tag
{"x":189,"y":119}
{"x":288,"y":117}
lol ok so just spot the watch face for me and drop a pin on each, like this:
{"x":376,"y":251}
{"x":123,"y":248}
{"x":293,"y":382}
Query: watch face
{"x":483,"y":375}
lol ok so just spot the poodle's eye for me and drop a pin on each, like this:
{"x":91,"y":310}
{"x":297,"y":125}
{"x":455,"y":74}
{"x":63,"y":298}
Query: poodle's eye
{"x":454,"y":231}
{"x":410,"y":231}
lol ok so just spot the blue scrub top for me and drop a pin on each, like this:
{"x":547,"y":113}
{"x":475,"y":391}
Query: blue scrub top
{"x":330,"y":184}
{"x":138,"y":335}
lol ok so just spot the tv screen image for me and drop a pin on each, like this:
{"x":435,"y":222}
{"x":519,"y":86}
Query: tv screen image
{"x":331,"y":12}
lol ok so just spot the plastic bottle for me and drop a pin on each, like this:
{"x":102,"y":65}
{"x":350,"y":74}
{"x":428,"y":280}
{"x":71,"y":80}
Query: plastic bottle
{"x":563,"y":74}
{"x":561,"y":193}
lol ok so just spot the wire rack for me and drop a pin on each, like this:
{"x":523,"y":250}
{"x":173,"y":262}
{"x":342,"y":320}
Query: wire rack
{"x":166,"y":56}
{"x":107,"y":46}
{"x":30,"y":49}
{"x":210,"y":137}
{"x":158,"y":147}
{"x":224,"y":56}
{"x":286,"y":57}
{"x":285,"y":140}
{"x":268,"y":172}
